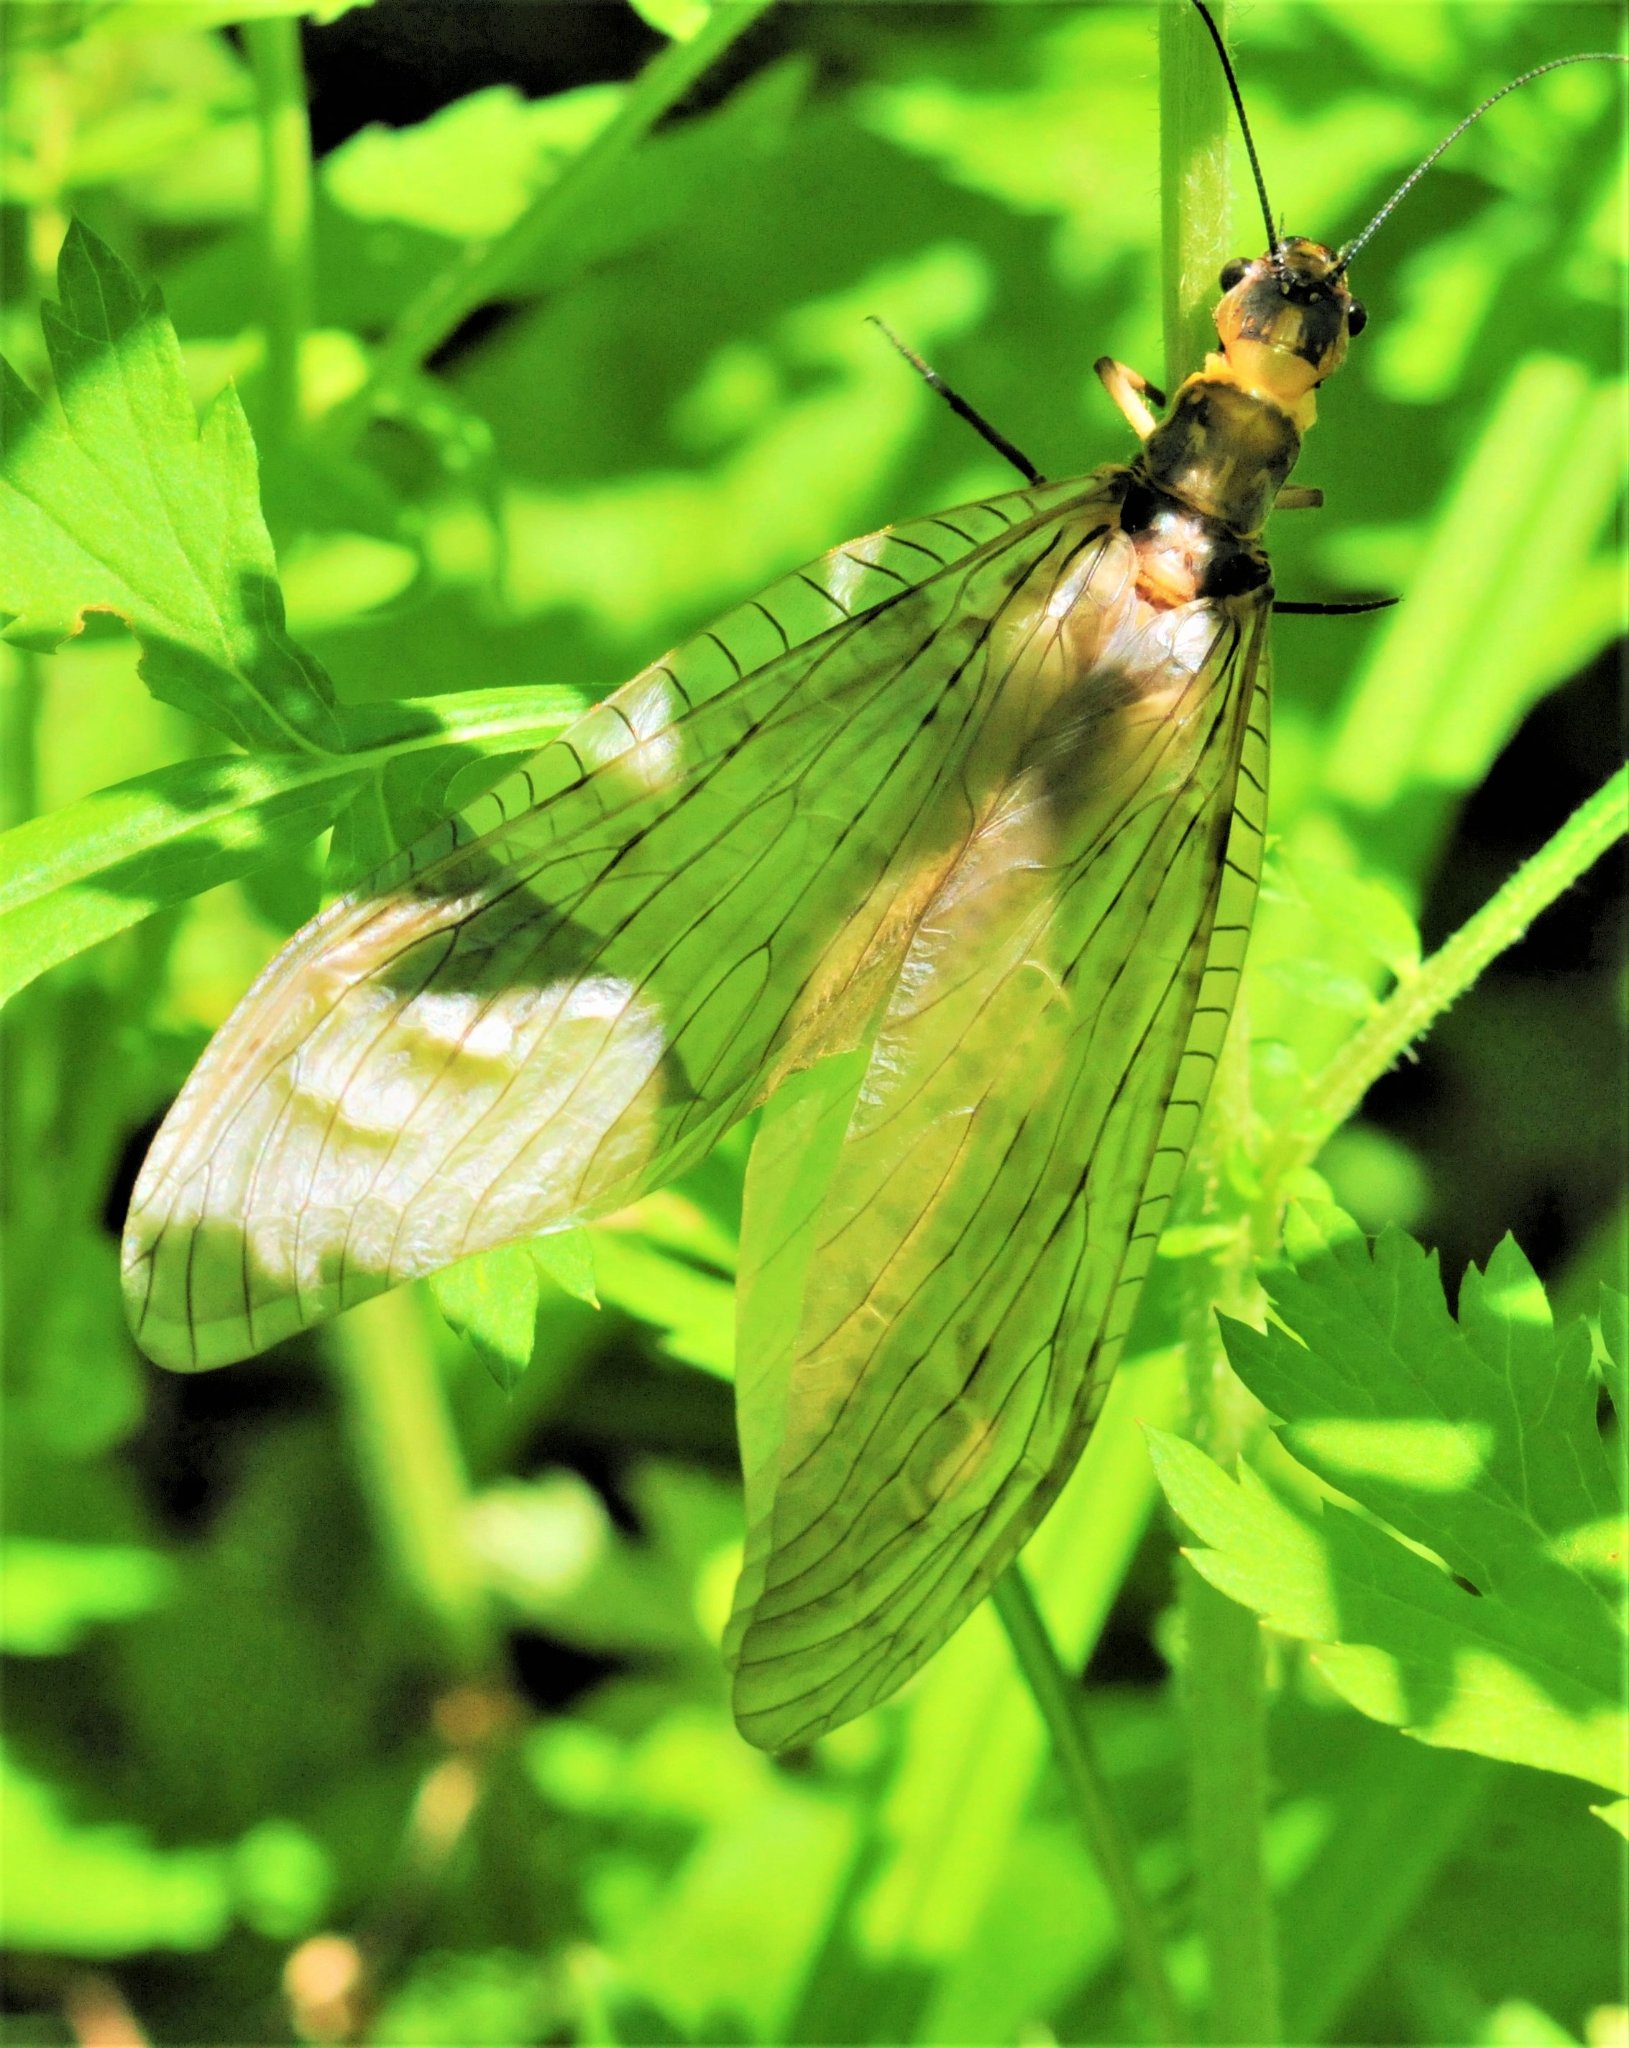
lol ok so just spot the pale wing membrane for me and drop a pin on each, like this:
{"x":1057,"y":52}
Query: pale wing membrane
{"x":562,"y":999}
{"x":1014,"y":1144}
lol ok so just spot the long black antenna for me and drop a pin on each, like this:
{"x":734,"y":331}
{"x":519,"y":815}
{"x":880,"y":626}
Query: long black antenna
{"x":1453,"y":135}
{"x":1244,"y":124}
{"x":1009,"y":450}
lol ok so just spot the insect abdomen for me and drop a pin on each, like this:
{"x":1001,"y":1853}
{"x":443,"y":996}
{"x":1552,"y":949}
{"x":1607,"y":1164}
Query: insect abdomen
{"x":1183,"y":554}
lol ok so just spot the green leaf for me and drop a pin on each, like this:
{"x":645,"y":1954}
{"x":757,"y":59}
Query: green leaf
{"x":473,"y":167}
{"x":1552,"y":448}
{"x":567,"y":1258}
{"x":680,"y":19}
{"x":1616,"y":1815}
{"x":1356,"y":909}
{"x":68,"y":18}
{"x":693,"y":1309}
{"x":282,"y":1879}
{"x":492,"y":1300}
{"x":1394,"y":1814}
{"x":549,"y":1550}
{"x":479,"y":1998}
{"x":52,"y":1593}
{"x":1475,"y":1443}
{"x":79,"y":874}
{"x":1323,"y":983}
{"x":114,"y":500}
{"x":99,"y":1889}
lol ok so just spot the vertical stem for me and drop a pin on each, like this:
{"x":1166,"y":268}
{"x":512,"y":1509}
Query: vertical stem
{"x":1223,"y":1679}
{"x":22,"y":694}
{"x":1227,"y":1789}
{"x":285,"y":213}
{"x":1107,"y":1841}
{"x":44,"y":79}
{"x":397,"y":1410}
{"x":1225,"y":1698}
{"x":1196,"y":139}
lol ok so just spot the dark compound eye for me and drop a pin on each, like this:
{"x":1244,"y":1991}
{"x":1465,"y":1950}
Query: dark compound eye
{"x":1357,"y":317}
{"x":1233,"y":273}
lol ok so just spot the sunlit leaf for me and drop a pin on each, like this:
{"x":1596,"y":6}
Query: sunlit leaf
{"x":492,"y":1300}
{"x":85,"y":1887}
{"x":114,"y":499}
{"x":693,"y":1309}
{"x":680,"y":19}
{"x":78,"y":874}
{"x":473,"y":167}
{"x":567,"y":1258}
{"x":1476,"y":1441}
{"x":51,"y":1593}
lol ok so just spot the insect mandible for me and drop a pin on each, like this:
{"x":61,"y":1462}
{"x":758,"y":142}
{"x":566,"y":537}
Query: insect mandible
{"x":946,"y":849}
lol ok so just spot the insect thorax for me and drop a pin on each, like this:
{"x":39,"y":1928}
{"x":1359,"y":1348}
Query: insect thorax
{"x":1223,"y":451}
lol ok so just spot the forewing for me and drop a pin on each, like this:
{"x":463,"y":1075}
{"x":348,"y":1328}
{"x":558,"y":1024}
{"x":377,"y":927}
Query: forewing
{"x":925,"y":1345}
{"x":563,"y":998}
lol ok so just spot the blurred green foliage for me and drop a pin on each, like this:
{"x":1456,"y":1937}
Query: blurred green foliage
{"x":350,"y":1693}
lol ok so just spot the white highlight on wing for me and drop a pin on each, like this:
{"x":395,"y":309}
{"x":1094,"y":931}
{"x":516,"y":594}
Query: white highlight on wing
{"x":391,"y":1138}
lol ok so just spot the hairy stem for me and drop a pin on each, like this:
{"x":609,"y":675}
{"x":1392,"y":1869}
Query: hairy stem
{"x":1223,"y":1680}
{"x":1415,"y":1005}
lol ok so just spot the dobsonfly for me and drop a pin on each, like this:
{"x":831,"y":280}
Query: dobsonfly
{"x":942,"y":850}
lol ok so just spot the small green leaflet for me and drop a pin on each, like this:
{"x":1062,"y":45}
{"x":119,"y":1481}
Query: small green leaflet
{"x":116,"y":501}
{"x":648,"y":1269}
{"x":492,"y":1301}
{"x":1474,"y":1441}
{"x":680,"y":19}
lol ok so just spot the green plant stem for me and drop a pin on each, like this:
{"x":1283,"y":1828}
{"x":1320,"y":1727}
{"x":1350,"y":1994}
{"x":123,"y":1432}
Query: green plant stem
{"x":1107,"y":1840}
{"x":487,"y":268}
{"x":396,"y":1407}
{"x":285,"y":214}
{"x":45,"y":80}
{"x":22,"y":693}
{"x":1224,"y":1691}
{"x":1226,"y":1710}
{"x":1223,"y":1679}
{"x":1195,"y":180}
{"x":1335,"y":1094}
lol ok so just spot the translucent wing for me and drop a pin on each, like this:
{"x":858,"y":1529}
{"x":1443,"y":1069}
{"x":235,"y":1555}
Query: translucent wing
{"x":931,"y":1314}
{"x":563,"y":998}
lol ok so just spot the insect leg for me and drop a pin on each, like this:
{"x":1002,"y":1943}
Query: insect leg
{"x":1298,"y":498}
{"x":960,"y":407}
{"x":1339,"y":609}
{"x":1130,"y":390}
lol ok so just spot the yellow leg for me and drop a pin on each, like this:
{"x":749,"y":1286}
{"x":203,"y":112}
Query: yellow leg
{"x":1298,"y":498}
{"x":1127,"y":387}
